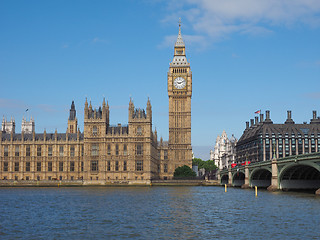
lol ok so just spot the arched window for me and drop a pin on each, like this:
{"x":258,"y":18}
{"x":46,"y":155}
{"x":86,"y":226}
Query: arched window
{"x":94,"y":130}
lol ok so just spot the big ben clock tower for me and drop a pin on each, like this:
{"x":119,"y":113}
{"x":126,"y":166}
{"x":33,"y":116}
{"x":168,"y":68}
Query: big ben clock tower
{"x":179,"y":92}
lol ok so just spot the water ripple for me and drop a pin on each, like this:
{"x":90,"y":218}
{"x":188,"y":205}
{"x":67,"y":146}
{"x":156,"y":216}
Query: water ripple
{"x":156,"y":213}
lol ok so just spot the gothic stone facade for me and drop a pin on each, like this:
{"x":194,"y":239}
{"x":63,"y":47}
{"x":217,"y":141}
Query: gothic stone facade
{"x":224,"y":153}
{"x":103,"y":153}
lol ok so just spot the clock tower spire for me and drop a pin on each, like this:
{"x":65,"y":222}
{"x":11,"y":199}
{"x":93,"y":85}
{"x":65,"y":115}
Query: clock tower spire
{"x":179,"y":92}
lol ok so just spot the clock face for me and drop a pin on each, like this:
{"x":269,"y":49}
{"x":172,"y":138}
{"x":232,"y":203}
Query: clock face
{"x":179,"y":83}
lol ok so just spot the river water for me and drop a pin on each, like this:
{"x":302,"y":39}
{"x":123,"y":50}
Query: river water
{"x":156,"y":213}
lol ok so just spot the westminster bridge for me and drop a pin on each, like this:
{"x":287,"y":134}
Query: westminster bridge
{"x":293,"y":172}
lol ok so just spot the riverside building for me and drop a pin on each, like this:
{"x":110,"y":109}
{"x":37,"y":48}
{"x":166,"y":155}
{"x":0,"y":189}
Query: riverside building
{"x":262,"y":139}
{"x":103,"y":153}
{"x":224,"y":153}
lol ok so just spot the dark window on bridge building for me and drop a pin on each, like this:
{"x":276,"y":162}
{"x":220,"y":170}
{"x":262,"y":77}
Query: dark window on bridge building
{"x":313,"y":145}
{"x":300,"y":146}
{"x":287,"y":148}
{"x":108,"y":166}
{"x":267,"y":149}
{"x":293,"y":146}
{"x":280,"y":148}
{"x":306,"y":145}
{"x":81,"y":166}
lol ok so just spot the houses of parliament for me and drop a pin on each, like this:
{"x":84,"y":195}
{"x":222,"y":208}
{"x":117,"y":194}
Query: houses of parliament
{"x":103,"y":153}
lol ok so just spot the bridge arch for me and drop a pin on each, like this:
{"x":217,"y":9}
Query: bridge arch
{"x":300,"y":176}
{"x":224,"y":179}
{"x":260,"y":177}
{"x":238,"y":178}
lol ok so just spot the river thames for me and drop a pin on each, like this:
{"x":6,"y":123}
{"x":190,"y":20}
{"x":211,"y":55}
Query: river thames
{"x":156,"y":213}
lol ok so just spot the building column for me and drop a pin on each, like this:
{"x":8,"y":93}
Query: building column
{"x":309,"y":145}
{"x":303,"y":146}
{"x":290,"y":147}
{"x":264,"y":150}
{"x":274,"y":179}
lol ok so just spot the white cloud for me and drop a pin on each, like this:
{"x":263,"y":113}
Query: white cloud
{"x":216,"y":19}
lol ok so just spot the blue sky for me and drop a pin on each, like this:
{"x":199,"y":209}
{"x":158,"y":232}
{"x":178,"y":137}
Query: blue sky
{"x":245,"y":55}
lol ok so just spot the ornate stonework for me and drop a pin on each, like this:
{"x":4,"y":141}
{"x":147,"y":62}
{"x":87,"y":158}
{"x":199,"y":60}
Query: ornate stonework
{"x":224,"y":153}
{"x":103,"y":153}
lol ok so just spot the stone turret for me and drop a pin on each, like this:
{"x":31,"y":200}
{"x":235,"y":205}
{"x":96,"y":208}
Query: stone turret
{"x":8,"y":126}
{"x":27,"y":127}
{"x":149,"y":110}
{"x":72,"y":120}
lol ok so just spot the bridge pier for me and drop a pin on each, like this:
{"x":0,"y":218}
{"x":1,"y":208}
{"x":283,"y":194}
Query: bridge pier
{"x":246,"y":178}
{"x":318,"y":192}
{"x":230,"y":177}
{"x":274,"y":179}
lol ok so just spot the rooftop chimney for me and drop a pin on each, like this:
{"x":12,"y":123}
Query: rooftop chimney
{"x":314,"y":117}
{"x":261,"y":117}
{"x":247,"y":125}
{"x":251,"y":122}
{"x":268,"y":120}
{"x":267,"y":115}
{"x":256,"y":120}
{"x":289,"y":119}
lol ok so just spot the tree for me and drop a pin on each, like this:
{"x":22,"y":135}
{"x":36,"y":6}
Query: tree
{"x":197,"y":162}
{"x":207,"y":165}
{"x":184,"y":172}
